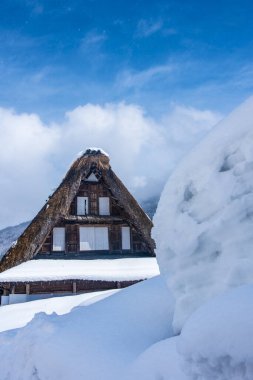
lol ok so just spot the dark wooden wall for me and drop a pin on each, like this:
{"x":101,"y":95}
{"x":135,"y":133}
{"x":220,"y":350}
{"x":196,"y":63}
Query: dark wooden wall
{"x":114,"y":222}
{"x":61,"y":286}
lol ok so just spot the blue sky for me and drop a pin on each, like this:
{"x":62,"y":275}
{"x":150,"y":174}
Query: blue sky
{"x":55,"y":55}
{"x":144,"y":80}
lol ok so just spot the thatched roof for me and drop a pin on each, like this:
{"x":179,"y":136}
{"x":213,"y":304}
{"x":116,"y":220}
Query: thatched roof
{"x":57,"y":208}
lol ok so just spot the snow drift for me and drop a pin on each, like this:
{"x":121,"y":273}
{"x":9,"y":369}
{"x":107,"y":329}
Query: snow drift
{"x":217,"y":340}
{"x":95,"y":342}
{"x":204,"y":221}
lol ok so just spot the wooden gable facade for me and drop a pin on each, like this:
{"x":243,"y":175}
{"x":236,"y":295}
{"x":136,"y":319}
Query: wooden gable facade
{"x":95,"y":227}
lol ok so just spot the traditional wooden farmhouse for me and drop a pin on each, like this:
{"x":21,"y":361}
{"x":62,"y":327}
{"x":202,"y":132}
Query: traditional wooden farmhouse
{"x":91,"y":216}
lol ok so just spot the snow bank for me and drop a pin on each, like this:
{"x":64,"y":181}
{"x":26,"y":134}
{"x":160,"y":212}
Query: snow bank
{"x":217,"y":340}
{"x":95,"y":342}
{"x":160,"y":361}
{"x":59,"y":305}
{"x":204,"y":221}
{"x":108,"y":270}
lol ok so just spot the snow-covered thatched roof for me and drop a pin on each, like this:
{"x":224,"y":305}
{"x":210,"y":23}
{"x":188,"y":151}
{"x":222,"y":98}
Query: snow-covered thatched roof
{"x":57,"y":207}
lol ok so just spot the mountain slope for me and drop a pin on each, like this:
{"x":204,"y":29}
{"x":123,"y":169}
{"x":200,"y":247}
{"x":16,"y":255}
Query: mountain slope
{"x":9,"y":235}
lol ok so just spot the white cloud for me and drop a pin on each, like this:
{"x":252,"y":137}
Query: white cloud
{"x":146,"y":28}
{"x":140,"y":78}
{"x":25,"y":168}
{"x":188,"y":121}
{"x":34,"y":156}
{"x":92,"y":39}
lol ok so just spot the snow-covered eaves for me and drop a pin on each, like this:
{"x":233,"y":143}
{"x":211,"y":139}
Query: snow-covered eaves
{"x":103,"y":270}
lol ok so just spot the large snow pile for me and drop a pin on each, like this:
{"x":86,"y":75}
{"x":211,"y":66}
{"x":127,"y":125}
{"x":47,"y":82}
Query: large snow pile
{"x":128,"y":336}
{"x":204,"y":221}
{"x":217,"y":340}
{"x":95,"y":342}
{"x":9,"y":235}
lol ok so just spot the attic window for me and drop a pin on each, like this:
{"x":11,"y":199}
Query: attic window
{"x":104,"y":206}
{"x":92,"y":178}
{"x":59,"y":239}
{"x":82,"y":205}
{"x":126,"y":240}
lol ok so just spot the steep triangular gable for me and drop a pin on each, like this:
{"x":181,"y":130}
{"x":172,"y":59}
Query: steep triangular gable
{"x":58,"y":205}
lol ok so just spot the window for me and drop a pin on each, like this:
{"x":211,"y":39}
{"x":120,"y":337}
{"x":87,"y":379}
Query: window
{"x":82,"y":205}
{"x":125,"y":233}
{"x":104,"y":206}
{"x":91,"y":178}
{"x":94,"y":238}
{"x":59,"y":239}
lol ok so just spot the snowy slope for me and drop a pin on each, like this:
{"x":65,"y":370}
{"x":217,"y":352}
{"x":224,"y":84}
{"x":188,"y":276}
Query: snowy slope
{"x":216,"y":342}
{"x":96,"y":342}
{"x":204,"y":221}
{"x":9,"y":235}
{"x":60,"y":305}
{"x":128,"y":336}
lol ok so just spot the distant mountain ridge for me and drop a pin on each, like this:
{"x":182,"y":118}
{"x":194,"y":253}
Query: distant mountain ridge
{"x":10,"y":234}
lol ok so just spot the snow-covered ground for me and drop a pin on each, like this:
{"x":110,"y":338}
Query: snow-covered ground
{"x":101,"y":341}
{"x":128,"y":336}
{"x":107,"y":270}
{"x":59,"y":305}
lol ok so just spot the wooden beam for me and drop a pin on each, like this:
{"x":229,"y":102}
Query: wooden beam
{"x":6,"y":292}
{"x":27,"y":288}
{"x":74,"y":287}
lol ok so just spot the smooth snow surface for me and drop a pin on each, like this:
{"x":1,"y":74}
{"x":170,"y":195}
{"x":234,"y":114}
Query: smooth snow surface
{"x":101,"y":341}
{"x":62,"y":305}
{"x":160,"y":362}
{"x":217,"y":340}
{"x":110,"y":270}
{"x":204,"y":221}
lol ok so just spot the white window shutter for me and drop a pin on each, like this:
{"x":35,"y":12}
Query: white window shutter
{"x":94,"y":238}
{"x":104,"y":206}
{"x":82,"y":205}
{"x":87,"y":239}
{"x":101,"y":238}
{"x":125,"y":233}
{"x":59,"y":239}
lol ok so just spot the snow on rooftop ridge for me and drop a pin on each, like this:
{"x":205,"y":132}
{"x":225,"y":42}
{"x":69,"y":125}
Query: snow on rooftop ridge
{"x":92,"y":151}
{"x":204,"y":220}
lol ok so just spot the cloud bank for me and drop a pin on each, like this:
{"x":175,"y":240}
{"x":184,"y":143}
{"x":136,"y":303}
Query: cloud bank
{"x":34,"y":156}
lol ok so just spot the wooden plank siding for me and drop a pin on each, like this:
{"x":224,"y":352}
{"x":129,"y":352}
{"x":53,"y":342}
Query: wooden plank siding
{"x":62,"y":286}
